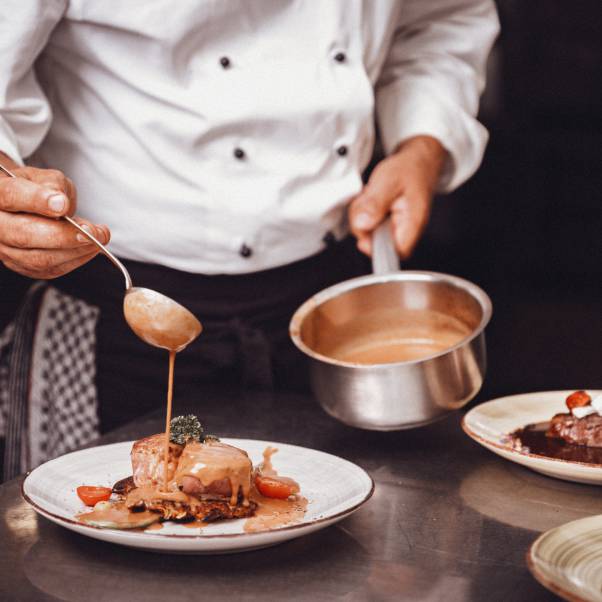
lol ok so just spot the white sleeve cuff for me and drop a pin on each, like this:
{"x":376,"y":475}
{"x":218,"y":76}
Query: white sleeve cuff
{"x":407,"y":108}
{"x":8,"y":142}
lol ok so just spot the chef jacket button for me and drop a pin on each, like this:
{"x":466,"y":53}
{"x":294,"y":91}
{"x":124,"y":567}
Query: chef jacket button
{"x":245,"y":251}
{"x":239,"y":153}
{"x":225,"y":62}
{"x":342,"y":150}
{"x":329,"y":239}
{"x":340,"y":57}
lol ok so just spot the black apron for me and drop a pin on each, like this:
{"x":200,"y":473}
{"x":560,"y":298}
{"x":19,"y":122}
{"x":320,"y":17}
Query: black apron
{"x":245,"y":338}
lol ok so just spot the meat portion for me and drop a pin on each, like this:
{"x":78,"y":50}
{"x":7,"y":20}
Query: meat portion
{"x":214,"y":469}
{"x":578,"y":431}
{"x":147,"y":460}
{"x":219,"y":489}
{"x":206,"y":481}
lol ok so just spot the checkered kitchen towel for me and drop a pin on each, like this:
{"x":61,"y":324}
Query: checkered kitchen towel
{"x":48,"y":402}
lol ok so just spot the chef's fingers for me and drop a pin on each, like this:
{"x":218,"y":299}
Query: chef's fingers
{"x":55,"y":271}
{"x":27,"y":231}
{"x":45,"y":264}
{"x":42,"y":191}
{"x":409,"y":217}
{"x":372,"y":205}
{"x":53,"y":179}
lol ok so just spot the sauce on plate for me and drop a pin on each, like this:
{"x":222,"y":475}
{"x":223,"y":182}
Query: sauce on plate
{"x":532,"y":439}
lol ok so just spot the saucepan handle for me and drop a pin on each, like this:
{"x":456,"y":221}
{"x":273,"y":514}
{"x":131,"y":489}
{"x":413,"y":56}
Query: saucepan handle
{"x":384,"y":256}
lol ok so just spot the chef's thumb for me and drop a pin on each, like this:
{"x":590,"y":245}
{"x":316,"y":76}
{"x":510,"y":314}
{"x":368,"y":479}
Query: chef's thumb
{"x":372,"y":205}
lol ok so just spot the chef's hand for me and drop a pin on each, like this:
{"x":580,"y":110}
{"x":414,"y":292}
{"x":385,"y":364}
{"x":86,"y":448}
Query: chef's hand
{"x":402,"y":185}
{"x":33,"y":241}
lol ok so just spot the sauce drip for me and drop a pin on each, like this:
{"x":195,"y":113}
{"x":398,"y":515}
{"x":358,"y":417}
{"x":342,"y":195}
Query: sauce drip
{"x":267,"y":467}
{"x":214,"y":461}
{"x":272,"y":513}
{"x":532,"y":439}
{"x":172,"y":361}
{"x":149,"y":494}
{"x":116,"y":515}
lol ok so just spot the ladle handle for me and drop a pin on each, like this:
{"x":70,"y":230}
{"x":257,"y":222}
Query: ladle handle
{"x":384,"y":256}
{"x":105,"y":251}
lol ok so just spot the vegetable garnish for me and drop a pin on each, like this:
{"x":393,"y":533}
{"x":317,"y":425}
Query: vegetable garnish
{"x":187,"y":428}
{"x":91,"y":495}
{"x":280,"y":488}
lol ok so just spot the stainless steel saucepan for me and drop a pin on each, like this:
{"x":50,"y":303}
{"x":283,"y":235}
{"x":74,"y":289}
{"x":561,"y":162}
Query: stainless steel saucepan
{"x":396,"y":349}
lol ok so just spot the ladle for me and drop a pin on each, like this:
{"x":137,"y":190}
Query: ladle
{"x":154,"y":317}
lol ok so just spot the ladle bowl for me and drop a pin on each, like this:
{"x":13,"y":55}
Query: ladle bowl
{"x":159,"y":320}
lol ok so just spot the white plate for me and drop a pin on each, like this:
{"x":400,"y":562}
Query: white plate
{"x":490,"y":423}
{"x":334,"y":488}
{"x":568,"y":560}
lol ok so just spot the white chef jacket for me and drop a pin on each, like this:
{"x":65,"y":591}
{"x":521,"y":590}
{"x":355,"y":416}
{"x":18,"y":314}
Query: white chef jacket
{"x":228,"y":136}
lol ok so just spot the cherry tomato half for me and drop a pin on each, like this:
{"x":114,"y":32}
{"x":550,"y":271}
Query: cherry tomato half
{"x":276,"y":487}
{"x":578,"y":399}
{"x":90,"y":495}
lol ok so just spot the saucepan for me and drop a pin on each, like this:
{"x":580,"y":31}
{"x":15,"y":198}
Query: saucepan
{"x":395,"y":349}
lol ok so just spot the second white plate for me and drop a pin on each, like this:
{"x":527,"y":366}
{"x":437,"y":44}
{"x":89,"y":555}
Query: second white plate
{"x":334,"y":488}
{"x":490,"y":424}
{"x":568,"y":560}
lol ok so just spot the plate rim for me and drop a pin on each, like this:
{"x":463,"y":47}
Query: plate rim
{"x":540,"y":578}
{"x":128,"y":534}
{"x":506,"y":448}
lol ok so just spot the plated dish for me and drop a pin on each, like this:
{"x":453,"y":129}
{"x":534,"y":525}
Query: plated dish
{"x":333,"y":487}
{"x":539,"y":431}
{"x":567,"y":560}
{"x":194,"y":480}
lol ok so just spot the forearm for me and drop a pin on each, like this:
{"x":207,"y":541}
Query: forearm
{"x":431,"y":81}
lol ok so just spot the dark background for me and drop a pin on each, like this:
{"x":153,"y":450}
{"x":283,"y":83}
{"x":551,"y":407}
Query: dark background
{"x":528,"y":226}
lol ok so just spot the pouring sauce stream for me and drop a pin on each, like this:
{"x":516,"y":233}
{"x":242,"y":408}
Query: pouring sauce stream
{"x":172,"y":361}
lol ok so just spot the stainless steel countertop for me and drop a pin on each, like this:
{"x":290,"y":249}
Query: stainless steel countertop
{"x":448,"y":521}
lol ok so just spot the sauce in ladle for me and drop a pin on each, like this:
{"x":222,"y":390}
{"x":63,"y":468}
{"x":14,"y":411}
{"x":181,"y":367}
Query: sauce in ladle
{"x":159,"y":320}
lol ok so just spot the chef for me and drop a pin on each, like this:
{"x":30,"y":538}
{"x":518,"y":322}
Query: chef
{"x":220,"y":147}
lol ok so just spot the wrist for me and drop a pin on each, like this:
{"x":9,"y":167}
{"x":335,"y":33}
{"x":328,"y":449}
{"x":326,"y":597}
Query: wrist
{"x":426,"y":146}
{"x":427,"y":154}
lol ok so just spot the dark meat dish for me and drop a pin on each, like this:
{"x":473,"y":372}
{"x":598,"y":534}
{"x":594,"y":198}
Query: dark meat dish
{"x":578,"y":431}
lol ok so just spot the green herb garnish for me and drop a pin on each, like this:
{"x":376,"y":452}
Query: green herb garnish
{"x":183,"y":429}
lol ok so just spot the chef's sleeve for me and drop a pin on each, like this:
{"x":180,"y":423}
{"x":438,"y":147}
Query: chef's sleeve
{"x":25,"y":113}
{"x":433,"y":77}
